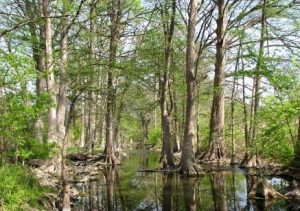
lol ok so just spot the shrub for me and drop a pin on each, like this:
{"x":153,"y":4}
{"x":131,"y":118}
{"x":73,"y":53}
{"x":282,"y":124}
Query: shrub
{"x":19,"y":188}
{"x":154,"y":136}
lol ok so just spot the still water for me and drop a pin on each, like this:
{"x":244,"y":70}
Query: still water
{"x":126,"y":188}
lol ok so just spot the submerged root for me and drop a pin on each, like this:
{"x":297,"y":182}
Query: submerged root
{"x":295,"y":192}
{"x":192,"y":170}
{"x":263,"y":190}
{"x":167,"y":165}
{"x":111,"y":160}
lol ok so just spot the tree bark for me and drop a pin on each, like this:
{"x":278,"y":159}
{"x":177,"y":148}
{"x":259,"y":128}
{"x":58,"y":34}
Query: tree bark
{"x":187,"y":163}
{"x":168,"y":25}
{"x":297,"y":147}
{"x":176,"y":129}
{"x":52,"y":119}
{"x":82,"y":123}
{"x":232,"y":105}
{"x":66,"y":203}
{"x":198,"y":130}
{"x":145,"y":120}
{"x":33,"y":11}
{"x":92,"y":97}
{"x":298,"y":129}
{"x":216,"y":149}
{"x":118,"y":113}
{"x":250,"y":158}
{"x":116,"y":13}
{"x":62,"y":94}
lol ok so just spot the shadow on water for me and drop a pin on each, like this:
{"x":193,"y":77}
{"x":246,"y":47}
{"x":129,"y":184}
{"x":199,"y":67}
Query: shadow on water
{"x":125,"y":188}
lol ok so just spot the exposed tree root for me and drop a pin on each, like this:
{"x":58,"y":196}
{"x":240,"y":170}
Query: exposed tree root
{"x":52,"y":166}
{"x":166,"y":165}
{"x":192,"y":170}
{"x":249,"y":161}
{"x":214,"y":153}
{"x":263,"y":190}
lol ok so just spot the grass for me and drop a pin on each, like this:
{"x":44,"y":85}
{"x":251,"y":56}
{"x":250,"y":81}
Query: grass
{"x":19,"y":189}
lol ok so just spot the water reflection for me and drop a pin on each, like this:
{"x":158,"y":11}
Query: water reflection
{"x":126,"y":188}
{"x":251,"y":179}
{"x":168,"y":189}
{"x":189,"y":193}
{"x":218,"y":188}
{"x":109,"y":175}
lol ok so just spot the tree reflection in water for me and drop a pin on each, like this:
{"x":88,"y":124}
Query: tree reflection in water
{"x":218,"y":188}
{"x":125,"y":188}
{"x":189,"y":193}
{"x":168,"y":181}
{"x":110,"y":180}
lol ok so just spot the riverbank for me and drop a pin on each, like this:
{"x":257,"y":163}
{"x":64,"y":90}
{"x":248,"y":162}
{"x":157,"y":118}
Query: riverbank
{"x":86,"y":172}
{"x":90,"y":179}
{"x":21,"y":190}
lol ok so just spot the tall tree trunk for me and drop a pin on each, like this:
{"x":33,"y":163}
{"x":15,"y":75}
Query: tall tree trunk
{"x":92,"y":97}
{"x":250,"y":158}
{"x":246,"y":125}
{"x":145,"y":120}
{"x":116,"y":13}
{"x":50,"y":74}
{"x":167,"y":149}
{"x":298,"y":129}
{"x":66,"y":204}
{"x":33,"y":11}
{"x":62,"y":94}
{"x":198,"y":129}
{"x":109,"y":146}
{"x":176,"y":137}
{"x":297,"y":148}
{"x":82,"y":123}
{"x":2,"y":139}
{"x":182,"y":124}
{"x":217,"y":134}
{"x":118,"y":113}
{"x":232,"y":105}
{"x":187,"y":163}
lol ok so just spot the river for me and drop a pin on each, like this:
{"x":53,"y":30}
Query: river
{"x":126,"y":188}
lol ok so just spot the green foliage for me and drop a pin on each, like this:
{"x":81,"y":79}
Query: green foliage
{"x":75,"y":149}
{"x":76,"y":131}
{"x":29,"y":149}
{"x":131,"y":127}
{"x":17,"y":123}
{"x":21,"y":107}
{"x":18,"y":188}
{"x":277,"y":134}
{"x":154,"y":136}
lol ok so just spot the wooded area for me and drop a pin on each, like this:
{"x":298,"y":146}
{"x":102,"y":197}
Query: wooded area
{"x":213,"y":82}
